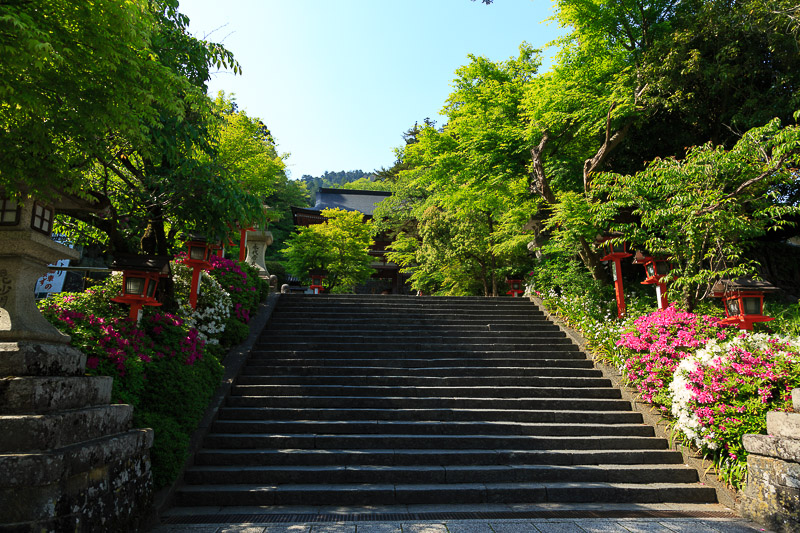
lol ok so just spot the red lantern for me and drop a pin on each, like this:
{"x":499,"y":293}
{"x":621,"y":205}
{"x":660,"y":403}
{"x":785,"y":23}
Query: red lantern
{"x":516,"y":287}
{"x":743,"y":301}
{"x":140,"y":277}
{"x":199,"y":252}
{"x":316,"y":283}
{"x":654,"y":270}
{"x":616,"y":252}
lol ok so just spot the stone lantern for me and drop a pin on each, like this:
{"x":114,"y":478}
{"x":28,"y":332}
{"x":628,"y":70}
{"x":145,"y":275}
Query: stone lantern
{"x":26,"y":250}
{"x":70,"y":459}
{"x":258,"y":239}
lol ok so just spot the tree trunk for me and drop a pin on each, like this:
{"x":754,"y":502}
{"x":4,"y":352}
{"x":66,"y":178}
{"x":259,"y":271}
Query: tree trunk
{"x":538,"y":183}
{"x":592,"y":261}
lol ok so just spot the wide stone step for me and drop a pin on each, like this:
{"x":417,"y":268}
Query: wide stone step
{"x":447,"y":357}
{"x":497,"y":415}
{"x":322,"y":303}
{"x":429,"y":427}
{"x":262,"y":368}
{"x":425,"y":382}
{"x":433,"y":457}
{"x":461,"y":493}
{"x":573,"y":360}
{"x":411,"y":317}
{"x":48,"y":394}
{"x":479,"y":441}
{"x":335,"y":335}
{"x":420,"y":327}
{"x":412,"y":402}
{"x":33,"y":433}
{"x":425,"y":391}
{"x":345,"y":474}
{"x":353,"y":346}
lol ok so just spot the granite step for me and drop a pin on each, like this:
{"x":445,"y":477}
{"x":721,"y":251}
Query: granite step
{"x":388,"y":494}
{"x":495,"y":415}
{"x":433,"y":457}
{"x":428,"y":427}
{"x":412,"y":402}
{"x":424,"y":381}
{"x":347,"y":474}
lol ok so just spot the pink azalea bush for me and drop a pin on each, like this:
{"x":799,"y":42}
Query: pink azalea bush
{"x":160,"y":366}
{"x":242,"y":286}
{"x":725,"y":389}
{"x":657,"y":343}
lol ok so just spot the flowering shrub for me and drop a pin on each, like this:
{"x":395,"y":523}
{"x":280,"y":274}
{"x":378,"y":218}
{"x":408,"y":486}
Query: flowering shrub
{"x":159,"y":366}
{"x":113,"y":345}
{"x":242,"y":286}
{"x":213,"y":303}
{"x":725,"y":389}
{"x":657,"y":343}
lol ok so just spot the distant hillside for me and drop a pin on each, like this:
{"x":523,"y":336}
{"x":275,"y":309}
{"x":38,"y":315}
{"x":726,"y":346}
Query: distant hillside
{"x":334,"y":180}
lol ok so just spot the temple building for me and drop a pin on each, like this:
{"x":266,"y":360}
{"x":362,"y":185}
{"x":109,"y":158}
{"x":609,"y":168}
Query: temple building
{"x":387,"y":277}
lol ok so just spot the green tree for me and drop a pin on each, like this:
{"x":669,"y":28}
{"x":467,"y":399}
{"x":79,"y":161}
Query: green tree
{"x":339,"y":247}
{"x":704,"y":210}
{"x":461,"y":193}
{"x":75,"y":77}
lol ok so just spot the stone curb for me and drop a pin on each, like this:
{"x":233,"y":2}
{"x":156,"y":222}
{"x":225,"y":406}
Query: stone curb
{"x":233,"y":363}
{"x":727,"y":496}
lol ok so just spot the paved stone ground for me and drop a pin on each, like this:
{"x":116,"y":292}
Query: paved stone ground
{"x":703,"y":522}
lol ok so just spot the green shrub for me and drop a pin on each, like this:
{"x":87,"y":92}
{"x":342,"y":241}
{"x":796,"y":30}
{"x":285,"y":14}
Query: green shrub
{"x":235,"y":333}
{"x":170,"y":445}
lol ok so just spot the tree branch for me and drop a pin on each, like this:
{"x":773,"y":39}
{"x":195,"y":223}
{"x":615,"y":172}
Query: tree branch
{"x":772,"y":169}
{"x":611,"y":142}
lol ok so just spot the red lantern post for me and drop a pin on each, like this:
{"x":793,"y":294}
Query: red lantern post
{"x":316,"y":283}
{"x":243,"y":242}
{"x":655,"y":270}
{"x":743,"y":301}
{"x":197,"y":259}
{"x":140,"y":277}
{"x":616,"y":253}
{"x":516,"y":287}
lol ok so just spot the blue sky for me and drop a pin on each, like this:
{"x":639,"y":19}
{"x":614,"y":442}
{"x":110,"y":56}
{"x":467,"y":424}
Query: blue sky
{"x":339,"y":81}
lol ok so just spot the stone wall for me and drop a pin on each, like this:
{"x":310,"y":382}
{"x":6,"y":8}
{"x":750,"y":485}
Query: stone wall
{"x":772,"y":495}
{"x":70,"y":460}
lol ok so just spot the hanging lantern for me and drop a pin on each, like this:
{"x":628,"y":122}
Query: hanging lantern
{"x":140,"y":278}
{"x":743,"y":300}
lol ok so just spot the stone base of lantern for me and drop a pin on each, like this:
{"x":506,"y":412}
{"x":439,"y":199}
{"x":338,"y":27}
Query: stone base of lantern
{"x":772,"y":495}
{"x":70,"y":460}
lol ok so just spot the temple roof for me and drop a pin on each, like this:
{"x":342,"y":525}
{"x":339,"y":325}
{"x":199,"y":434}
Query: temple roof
{"x":349,"y":200}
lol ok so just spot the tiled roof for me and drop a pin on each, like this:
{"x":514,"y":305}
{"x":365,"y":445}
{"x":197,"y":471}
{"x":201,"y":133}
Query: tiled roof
{"x":349,"y":200}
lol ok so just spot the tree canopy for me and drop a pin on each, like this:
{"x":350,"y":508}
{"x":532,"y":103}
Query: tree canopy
{"x":109,"y":101}
{"x":659,"y":103}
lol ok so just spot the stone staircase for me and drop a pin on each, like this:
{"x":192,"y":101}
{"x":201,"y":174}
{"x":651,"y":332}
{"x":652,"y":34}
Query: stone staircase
{"x":384,"y":400}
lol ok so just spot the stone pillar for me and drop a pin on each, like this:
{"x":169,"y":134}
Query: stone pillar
{"x":69,"y":459}
{"x":772,"y":494}
{"x":257,"y":243}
